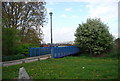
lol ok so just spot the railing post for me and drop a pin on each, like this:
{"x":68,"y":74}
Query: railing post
{"x":39,"y":51}
{"x":34,"y":51}
{"x":52,"y":51}
{"x":30,"y":52}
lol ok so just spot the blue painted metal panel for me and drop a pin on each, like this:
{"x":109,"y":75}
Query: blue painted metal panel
{"x":57,"y":52}
{"x":39,"y":51}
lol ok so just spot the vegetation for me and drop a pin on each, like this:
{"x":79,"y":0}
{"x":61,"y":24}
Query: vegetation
{"x":13,"y":57}
{"x":94,"y":37}
{"x":24,"y":16}
{"x":20,"y":52}
{"x":117,"y":43}
{"x":21,"y":23}
{"x":11,"y":44}
{"x":82,"y":67}
{"x":9,"y":40}
{"x":31,"y":36}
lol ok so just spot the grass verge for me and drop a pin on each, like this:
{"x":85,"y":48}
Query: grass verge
{"x":70,"y":67}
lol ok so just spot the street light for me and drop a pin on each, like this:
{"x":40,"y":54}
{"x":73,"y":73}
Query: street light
{"x":51,"y":30}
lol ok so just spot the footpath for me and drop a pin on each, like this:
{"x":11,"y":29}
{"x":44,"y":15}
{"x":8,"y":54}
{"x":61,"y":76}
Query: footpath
{"x":26,"y":60}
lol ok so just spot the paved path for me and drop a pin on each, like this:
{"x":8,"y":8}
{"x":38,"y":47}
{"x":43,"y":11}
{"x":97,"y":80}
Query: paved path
{"x":26,"y":60}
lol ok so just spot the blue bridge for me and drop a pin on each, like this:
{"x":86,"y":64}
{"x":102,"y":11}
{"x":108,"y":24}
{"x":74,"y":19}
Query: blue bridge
{"x":57,"y":52}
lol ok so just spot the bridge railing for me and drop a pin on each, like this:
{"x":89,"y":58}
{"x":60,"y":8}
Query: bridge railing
{"x":58,"y":52}
{"x":39,"y":51}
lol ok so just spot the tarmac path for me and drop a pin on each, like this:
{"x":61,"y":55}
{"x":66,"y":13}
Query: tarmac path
{"x":26,"y":60}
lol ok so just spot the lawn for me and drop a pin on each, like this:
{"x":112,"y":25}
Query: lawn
{"x":71,"y":67}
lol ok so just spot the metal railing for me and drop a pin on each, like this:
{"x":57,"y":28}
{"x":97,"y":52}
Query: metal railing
{"x":57,"y":52}
{"x":39,"y":51}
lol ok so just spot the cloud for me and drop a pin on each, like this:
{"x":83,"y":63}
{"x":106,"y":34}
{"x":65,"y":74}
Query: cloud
{"x":69,"y":16}
{"x":103,"y":9}
{"x":50,"y":10}
{"x":74,"y":16}
{"x":46,"y":32}
{"x":51,"y":3}
{"x":65,"y":0}
{"x":107,"y":10}
{"x":116,"y":35}
{"x":68,"y":9}
{"x":80,"y":10}
{"x":64,"y":16}
{"x":63,"y":34}
{"x":59,"y":34}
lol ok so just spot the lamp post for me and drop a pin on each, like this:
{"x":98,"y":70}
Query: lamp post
{"x":51,"y":30}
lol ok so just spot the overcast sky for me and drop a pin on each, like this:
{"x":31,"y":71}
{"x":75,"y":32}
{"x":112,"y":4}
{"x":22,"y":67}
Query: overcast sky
{"x":67,"y":14}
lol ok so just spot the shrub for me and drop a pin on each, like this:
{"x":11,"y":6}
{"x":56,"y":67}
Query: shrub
{"x":9,"y":40}
{"x":94,"y":37}
{"x":24,"y":48}
{"x":21,"y":51}
{"x":13,"y":57}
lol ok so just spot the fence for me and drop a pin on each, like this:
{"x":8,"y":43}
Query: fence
{"x":39,"y":51}
{"x":58,"y":52}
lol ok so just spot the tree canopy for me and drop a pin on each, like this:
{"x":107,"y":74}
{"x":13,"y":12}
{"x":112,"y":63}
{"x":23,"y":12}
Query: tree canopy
{"x":9,"y":40}
{"x":21,"y":24}
{"x":24,"y":16}
{"x":117,"y":43}
{"x":21,"y":14}
{"x":94,"y":37}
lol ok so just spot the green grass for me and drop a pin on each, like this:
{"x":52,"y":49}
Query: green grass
{"x":67,"y":68}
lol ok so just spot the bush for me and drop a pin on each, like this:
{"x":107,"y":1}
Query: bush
{"x":21,"y":51}
{"x":9,"y":40}
{"x":13,"y":57}
{"x":24,"y":49}
{"x":115,"y":51}
{"x":94,"y":37}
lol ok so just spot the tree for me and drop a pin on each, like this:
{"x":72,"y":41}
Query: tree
{"x":9,"y":40}
{"x":21,"y":23}
{"x":117,"y":43}
{"x":94,"y":37}
{"x":31,"y":36}
{"x":24,"y":16}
